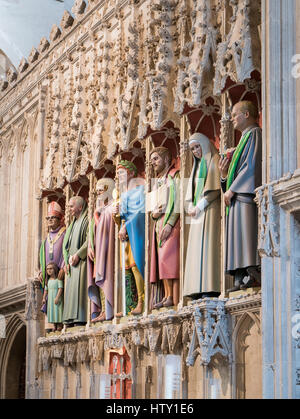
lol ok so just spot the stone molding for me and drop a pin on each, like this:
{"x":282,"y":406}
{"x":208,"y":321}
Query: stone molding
{"x":203,"y":328}
{"x":13,"y":299}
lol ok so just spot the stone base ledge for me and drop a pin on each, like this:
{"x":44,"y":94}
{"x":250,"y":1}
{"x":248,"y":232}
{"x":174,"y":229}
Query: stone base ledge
{"x":171,"y":331}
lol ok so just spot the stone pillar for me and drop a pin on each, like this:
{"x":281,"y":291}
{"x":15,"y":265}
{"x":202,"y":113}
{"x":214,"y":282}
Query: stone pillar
{"x":34,"y":319}
{"x":279,"y":203}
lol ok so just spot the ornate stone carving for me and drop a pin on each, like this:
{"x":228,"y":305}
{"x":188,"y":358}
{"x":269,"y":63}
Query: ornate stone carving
{"x":211,"y":334}
{"x":43,"y":45}
{"x":33,"y":56}
{"x":44,"y":358}
{"x":67,"y":20}
{"x":79,"y":7}
{"x":96,"y":348}
{"x":33,"y":300}
{"x":268,"y":236}
{"x":23,"y":65}
{"x":239,"y":54}
{"x":55,"y":33}
{"x":57,"y":351}
{"x":197,"y":58}
{"x":83,"y":351}
{"x":70,"y":353}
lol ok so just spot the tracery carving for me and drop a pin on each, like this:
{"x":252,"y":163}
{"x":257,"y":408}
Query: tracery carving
{"x":198,"y":53}
{"x":211,"y":334}
{"x":239,"y":55}
{"x":268,"y":236}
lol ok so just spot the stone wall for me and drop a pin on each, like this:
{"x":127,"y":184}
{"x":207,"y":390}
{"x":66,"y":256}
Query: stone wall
{"x":111,"y":82}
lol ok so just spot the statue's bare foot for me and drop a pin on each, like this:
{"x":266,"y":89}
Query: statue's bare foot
{"x":160,"y":304}
{"x":138,"y":309}
{"x":168,"y":302}
{"x":100,"y":318}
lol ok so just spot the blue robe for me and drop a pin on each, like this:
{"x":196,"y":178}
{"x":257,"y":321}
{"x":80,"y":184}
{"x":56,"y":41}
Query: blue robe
{"x":132,"y":210}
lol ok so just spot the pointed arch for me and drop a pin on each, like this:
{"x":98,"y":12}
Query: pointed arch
{"x":15,"y":330}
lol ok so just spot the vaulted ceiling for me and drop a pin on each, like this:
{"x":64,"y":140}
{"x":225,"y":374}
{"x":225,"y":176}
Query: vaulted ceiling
{"x":24,"y":22}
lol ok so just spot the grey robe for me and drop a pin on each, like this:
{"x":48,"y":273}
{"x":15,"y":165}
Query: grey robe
{"x":242,"y":222}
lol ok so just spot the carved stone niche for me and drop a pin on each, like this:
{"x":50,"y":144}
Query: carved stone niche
{"x":67,"y":20}
{"x":55,"y":33}
{"x":43,"y":45}
{"x":23,"y":65}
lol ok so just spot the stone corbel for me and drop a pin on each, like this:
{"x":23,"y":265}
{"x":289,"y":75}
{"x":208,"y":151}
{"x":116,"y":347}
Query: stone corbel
{"x":96,"y":348}
{"x":83,"y":351}
{"x":70,"y":352}
{"x":171,"y":337}
{"x":153,"y":338}
{"x":57,"y":351}
{"x":210,"y":335}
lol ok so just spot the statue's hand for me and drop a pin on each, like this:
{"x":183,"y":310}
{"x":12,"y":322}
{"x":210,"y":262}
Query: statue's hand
{"x":227,"y":197}
{"x":224,"y":166}
{"x":75,"y":260}
{"x":61,"y":274}
{"x":193,"y":212}
{"x":56,"y":301}
{"x":167,"y":230}
{"x":123,"y":233}
{"x":116,"y":209}
{"x":40,"y":277}
{"x":91,"y":254}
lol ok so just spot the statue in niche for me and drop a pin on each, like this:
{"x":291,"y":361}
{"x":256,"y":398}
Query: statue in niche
{"x":202,"y":264}
{"x":101,"y":252}
{"x":129,"y":214}
{"x":75,"y":256}
{"x":51,"y":248}
{"x":53,"y":294}
{"x":166,"y":232}
{"x":240,"y":176}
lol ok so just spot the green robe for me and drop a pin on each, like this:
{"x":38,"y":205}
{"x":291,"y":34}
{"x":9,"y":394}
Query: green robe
{"x":75,"y":308}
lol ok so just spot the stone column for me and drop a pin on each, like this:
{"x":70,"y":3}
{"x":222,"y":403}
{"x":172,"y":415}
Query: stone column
{"x":279,"y":203}
{"x":35,"y":327}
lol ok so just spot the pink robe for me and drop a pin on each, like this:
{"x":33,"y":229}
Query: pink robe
{"x":101,"y":273}
{"x":165,"y":259}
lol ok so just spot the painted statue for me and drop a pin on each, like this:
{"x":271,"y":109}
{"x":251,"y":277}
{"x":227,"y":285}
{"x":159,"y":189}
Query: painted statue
{"x":75,"y":256}
{"x":166,"y":232}
{"x":101,"y":252}
{"x":51,"y":250}
{"x":54,"y":295}
{"x":202,"y":264}
{"x":239,"y":179}
{"x":129,"y":214}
